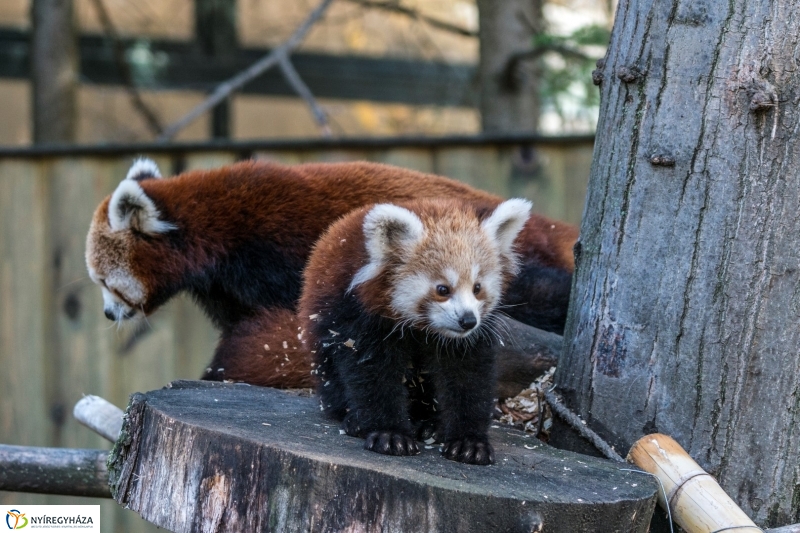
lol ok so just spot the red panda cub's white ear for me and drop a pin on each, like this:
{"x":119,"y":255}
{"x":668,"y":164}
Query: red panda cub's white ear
{"x":388,"y":229}
{"x":505,"y":223}
{"x":131,"y":208}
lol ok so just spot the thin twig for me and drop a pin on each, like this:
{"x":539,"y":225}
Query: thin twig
{"x":395,"y":7}
{"x":564,"y":412}
{"x":293,"y":78}
{"x":270,"y":60}
{"x":139,"y":104}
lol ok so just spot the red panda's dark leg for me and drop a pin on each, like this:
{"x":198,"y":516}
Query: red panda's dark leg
{"x":464,"y":380}
{"x":377,"y":400}
{"x":358,"y":369}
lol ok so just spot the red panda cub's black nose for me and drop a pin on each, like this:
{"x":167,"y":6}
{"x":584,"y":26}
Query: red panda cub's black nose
{"x":467,"y":321}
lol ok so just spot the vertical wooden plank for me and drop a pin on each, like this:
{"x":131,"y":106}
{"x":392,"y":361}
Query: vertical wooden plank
{"x":334,"y":156}
{"x":24,"y":414}
{"x":539,"y":176}
{"x":209,"y":160}
{"x":484,"y":167}
{"x":554,"y":177}
{"x":277,"y":156}
{"x":78,"y":353}
{"x":420,"y":159}
{"x":195,"y":339}
{"x":83,"y":344}
{"x":579,"y":164}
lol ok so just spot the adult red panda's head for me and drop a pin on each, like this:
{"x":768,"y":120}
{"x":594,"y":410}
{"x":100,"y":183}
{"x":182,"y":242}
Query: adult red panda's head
{"x":118,"y":225}
{"x":436,"y":265}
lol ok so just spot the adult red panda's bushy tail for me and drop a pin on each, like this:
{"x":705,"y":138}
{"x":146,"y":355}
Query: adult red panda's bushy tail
{"x":267,"y":350}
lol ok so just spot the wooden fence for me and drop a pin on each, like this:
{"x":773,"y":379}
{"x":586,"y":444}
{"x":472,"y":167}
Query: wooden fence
{"x":55,"y":343}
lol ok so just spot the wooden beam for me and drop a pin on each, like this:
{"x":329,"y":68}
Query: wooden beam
{"x":246,"y":148}
{"x":170,"y":65}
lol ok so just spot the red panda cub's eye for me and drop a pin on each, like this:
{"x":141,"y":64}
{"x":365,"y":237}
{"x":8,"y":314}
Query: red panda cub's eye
{"x":442,"y":290}
{"x":476,"y":289}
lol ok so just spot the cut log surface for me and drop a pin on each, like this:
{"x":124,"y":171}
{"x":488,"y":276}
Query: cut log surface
{"x":207,"y":456}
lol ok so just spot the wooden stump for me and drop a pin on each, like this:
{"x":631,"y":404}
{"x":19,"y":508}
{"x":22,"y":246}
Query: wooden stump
{"x":207,"y":456}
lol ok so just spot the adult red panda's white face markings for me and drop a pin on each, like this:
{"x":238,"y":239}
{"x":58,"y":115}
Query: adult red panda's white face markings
{"x":111,"y":238}
{"x":445,"y":271}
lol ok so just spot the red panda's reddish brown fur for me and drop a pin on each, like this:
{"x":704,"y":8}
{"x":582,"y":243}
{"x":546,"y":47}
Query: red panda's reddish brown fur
{"x":237,"y":238}
{"x":283,"y":360}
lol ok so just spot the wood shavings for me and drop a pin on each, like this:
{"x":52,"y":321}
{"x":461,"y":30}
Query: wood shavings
{"x":528,"y":410}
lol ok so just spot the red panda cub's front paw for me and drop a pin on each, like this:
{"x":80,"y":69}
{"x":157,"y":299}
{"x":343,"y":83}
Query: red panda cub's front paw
{"x":391,"y":443}
{"x":470,"y":451}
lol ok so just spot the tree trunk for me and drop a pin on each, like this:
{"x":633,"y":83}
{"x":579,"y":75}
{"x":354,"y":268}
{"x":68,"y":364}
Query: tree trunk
{"x":684,"y":313}
{"x":508,"y":101}
{"x":54,"y":71}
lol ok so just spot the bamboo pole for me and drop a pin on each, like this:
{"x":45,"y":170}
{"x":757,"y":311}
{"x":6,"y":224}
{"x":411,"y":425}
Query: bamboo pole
{"x":697,"y":502}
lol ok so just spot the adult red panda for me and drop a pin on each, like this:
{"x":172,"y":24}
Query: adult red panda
{"x":398,"y":303}
{"x":237,"y":238}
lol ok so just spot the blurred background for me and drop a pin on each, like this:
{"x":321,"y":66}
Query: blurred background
{"x":382,"y":67}
{"x":498,"y":94}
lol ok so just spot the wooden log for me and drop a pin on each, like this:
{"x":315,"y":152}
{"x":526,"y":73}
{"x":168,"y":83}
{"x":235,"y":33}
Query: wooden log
{"x":697,"y":502}
{"x":67,"y":471}
{"x":99,"y":415}
{"x":209,"y":456}
{"x":526,"y":354}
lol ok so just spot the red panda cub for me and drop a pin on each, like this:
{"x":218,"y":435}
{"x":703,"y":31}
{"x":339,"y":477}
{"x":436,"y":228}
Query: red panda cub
{"x":398,"y":303}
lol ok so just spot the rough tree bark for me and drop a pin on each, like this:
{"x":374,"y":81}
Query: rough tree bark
{"x":508,"y":103}
{"x":684,"y":314}
{"x":54,"y":71}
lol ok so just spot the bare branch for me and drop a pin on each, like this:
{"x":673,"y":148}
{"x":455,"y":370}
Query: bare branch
{"x":510,"y":72}
{"x":293,"y":78}
{"x":395,"y":7}
{"x":150,"y":117}
{"x":224,"y":89}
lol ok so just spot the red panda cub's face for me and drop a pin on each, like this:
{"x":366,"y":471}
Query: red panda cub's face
{"x":111,"y":242}
{"x":444,"y":268}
